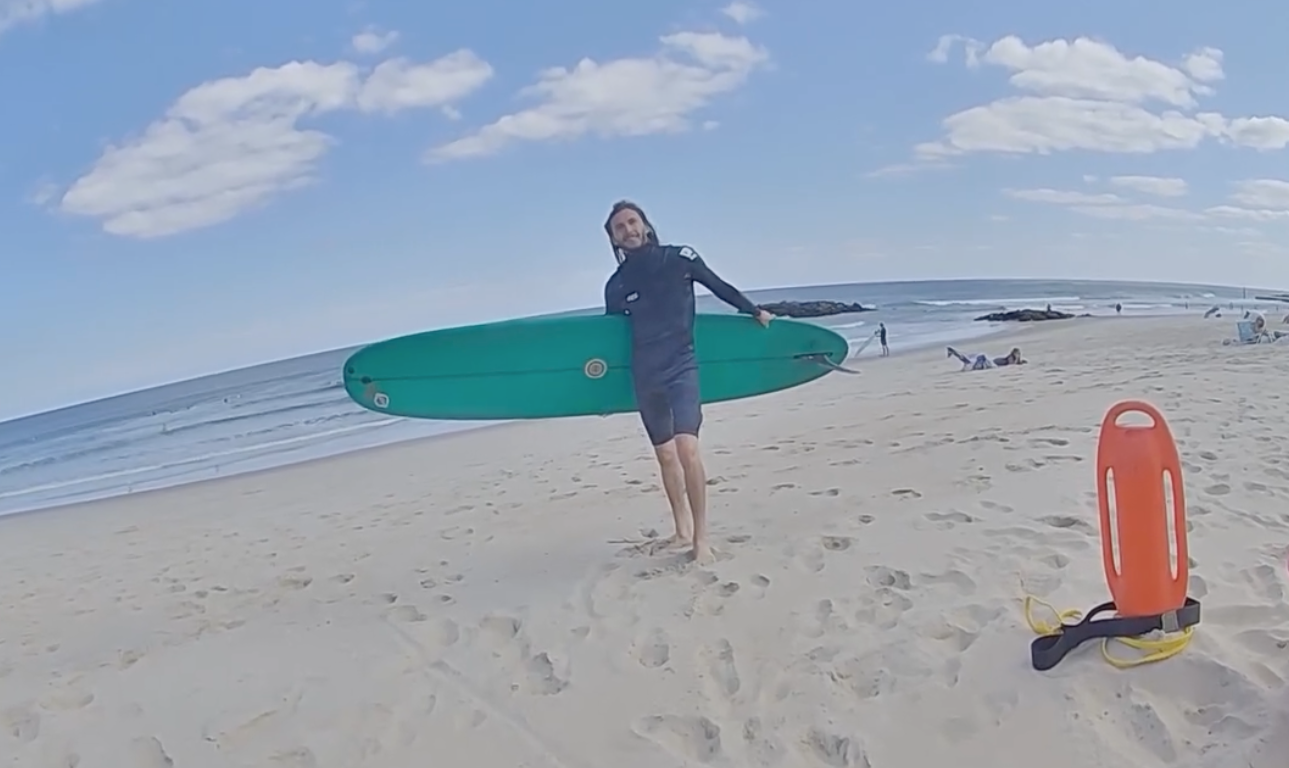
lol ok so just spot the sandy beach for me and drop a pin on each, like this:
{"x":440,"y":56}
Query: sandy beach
{"x":476,"y":600}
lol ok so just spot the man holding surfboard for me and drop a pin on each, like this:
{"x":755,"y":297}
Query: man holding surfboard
{"x":654,"y":286}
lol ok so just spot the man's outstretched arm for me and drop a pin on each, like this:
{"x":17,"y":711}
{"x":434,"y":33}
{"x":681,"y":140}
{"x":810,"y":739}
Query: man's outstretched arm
{"x":719,"y":288}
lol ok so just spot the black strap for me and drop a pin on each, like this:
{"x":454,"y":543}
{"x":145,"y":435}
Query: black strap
{"x":822,"y":359}
{"x":1048,"y":651}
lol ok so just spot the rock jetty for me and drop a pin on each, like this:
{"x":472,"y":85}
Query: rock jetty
{"x":1024,"y":316}
{"x":813,"y":308}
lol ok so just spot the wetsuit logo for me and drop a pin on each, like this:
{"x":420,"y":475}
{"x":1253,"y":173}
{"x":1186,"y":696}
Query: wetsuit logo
{"x":595,"y":368}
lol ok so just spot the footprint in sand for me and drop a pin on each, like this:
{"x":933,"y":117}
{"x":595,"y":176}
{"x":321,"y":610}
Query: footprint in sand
{"x":21,"y":723}
{"x":728,"y":589}
{"x":811,"y":560}
{"x":836,"y":543}
{"x":722,"y":669}
{"x":147,"y":752}
{"x":692,"y":738}
{"x":906,"y":493}
{"x":409,"y":613}
{"x":977,"y":482}
{"x":994,"y":506}
{"x":539,"y":676}
{"x":67,"y":699}
{"x":964,"y":584}
{"x":294,"y":581}
{"x":949,"y":520}
{"x":759,"y":747}
{"x":833,"y":750}
{"x":499,"y":629}
{"x":299,"y":757}
{"x":654,"y":651}
{"x":1056,"y":561}
{"x":884,"y":609}
{"x":824,"y":621}
{"x":1068,"y":522}
{"x":881,"y":576}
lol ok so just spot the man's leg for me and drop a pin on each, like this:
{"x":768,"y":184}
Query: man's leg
{"x":655,"y":413}
{"x":674,"y":483}
{"x":691,"y":461}
{"x":687,"y":413}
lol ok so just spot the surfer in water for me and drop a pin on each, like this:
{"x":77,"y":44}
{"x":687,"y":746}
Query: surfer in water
{"x":654,"y":286}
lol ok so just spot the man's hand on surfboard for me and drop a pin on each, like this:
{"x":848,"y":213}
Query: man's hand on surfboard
{"x":764,"y":318}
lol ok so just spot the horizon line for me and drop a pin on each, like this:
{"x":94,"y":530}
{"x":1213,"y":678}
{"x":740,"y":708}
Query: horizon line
{"x":69,"y":406}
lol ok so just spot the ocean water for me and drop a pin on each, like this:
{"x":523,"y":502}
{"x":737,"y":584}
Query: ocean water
{"x":294,"y":410}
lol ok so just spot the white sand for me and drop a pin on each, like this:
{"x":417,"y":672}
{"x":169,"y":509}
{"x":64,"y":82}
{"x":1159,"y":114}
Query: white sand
{"x":454,"y":602}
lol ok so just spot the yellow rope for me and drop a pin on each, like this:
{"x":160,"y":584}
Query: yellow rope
{"x":1156,"y":648}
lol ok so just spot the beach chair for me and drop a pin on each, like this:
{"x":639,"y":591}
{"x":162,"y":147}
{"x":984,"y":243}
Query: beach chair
{"x":1246,"y":333}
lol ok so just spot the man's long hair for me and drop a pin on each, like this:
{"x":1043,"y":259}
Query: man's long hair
{"x":651,"y":235}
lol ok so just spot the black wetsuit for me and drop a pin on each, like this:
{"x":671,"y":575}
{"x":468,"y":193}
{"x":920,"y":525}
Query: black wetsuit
{"x":654,"y":287}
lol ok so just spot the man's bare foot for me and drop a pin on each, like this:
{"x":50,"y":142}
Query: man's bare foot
{"x":676,"y":540}
{"x":703,"y":554}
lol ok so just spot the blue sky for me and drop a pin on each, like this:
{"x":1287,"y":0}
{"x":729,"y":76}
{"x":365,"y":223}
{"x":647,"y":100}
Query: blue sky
{"x":190,"y":187}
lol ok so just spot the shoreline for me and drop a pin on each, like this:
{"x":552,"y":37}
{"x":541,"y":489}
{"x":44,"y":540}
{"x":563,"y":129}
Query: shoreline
{"x":1006,"y":331}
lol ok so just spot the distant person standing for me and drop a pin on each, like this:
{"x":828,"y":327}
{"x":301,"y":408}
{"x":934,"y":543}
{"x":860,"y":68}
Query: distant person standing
{"x":881,"y":338}
{"x":1118,"y":308}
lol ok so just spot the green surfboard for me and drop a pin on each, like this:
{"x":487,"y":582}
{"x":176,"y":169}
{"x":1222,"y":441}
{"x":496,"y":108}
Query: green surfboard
{"x":548,"y":367}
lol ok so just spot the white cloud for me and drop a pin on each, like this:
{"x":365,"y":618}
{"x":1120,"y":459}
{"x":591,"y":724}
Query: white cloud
{"x":623,"y":97}
{"x":1262,"y":193}
{"x":1137,"y":212}
{"x":400,"y":84}
{"x":232,"y":144}
{"x":43,"y":192}
{"x":1063,"y":197}
{"x":1086,"y":95}
{"x":15,"y":12}
{"x":1151,"y":185}
{"x":1247,"y":214}
{"x":1257,"y":200}
{"x":1087,"y":69}
{"x":1205,"y":65}
{"x":370,"y":41}
{"x":944,"y":46}
{"x":742,"y":12}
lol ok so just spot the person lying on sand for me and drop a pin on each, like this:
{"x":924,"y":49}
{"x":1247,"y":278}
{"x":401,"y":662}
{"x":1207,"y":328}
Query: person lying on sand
{"x":980,"y":362}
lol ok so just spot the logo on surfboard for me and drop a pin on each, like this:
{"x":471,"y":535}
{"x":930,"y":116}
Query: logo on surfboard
{"x":378,"y":399}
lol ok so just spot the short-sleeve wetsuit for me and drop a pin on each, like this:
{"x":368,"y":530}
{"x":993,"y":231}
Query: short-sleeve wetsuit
{"x":654,"y":287}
